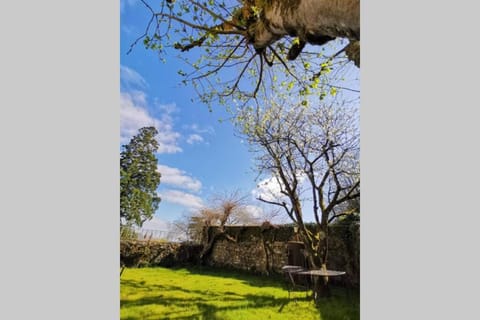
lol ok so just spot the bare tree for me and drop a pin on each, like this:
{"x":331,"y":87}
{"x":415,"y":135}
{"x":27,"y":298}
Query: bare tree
{"x":225,"y":209}
{"x":313,"y":154}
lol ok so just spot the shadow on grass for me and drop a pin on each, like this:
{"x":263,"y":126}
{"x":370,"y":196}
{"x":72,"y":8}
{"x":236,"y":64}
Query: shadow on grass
{"x":203,"y":304}
{"x":256,"y":280}
{"x":205,"y":307}
{"x":343,"y":304}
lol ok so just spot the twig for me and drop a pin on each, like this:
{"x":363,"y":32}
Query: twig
{"x":222,"y":64}
{"x":146,"y":30}
{"x":283,"y":62}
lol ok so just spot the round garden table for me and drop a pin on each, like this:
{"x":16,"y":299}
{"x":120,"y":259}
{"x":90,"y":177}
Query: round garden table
{"x":317,"y":273}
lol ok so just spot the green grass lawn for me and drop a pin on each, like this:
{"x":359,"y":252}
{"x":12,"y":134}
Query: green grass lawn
{"x":160,"y":293}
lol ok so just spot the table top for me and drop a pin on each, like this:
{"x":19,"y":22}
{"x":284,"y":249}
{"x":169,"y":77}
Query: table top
{"x":319,"y":272}
{"x":290,"y":268}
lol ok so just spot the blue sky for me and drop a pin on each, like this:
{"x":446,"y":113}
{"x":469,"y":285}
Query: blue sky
{"x":198,"y":156}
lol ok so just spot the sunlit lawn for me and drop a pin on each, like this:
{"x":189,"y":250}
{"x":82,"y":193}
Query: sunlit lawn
{"x":160,"y":293}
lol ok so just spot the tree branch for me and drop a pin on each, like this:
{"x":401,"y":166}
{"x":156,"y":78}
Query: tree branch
{"x":196,"y":43}
{"x":346,"y":213}
{"x":283,"y":205}
{"x":284,"y":64}
{"x":222,"y":64}
{"x":235,"y":86}
{"x":213,"y":29}
{"x":146,"y":29}
{"x":213,"y":14}
{"x":259,"y":77}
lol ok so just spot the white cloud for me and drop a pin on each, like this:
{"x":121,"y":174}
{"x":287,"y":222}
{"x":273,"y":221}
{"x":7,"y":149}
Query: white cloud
{"x":184,"y":199}
{"x":130,"y":78}
{"x":166,"y":108}
{"x":193,"y":138}
{"x":129,"y":30}
{"x":134,"y":115}
{"x":268,"y":189}
{"x":197,"y":129}
{"x":255,"y":211}
{"x":198,"y":133}
{"x":155,"y":224}
{"x":179,"y":178}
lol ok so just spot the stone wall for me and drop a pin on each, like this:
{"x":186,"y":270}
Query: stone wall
{"x":251,"y":256}
{"x":264,"y":250}
{"x":255,"y":249}
{"x":137,"y":253}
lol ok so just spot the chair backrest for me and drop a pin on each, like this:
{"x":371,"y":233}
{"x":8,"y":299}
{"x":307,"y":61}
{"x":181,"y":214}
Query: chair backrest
{"x":295,"y":254}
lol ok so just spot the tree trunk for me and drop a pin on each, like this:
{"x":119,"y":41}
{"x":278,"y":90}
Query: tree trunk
{"x":323,"y":287}
{"x":353,"y":52}
{"x":208,"y":244}
{"x":313,"y":21}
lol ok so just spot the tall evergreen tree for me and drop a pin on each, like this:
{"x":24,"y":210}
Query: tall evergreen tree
{"x":139,"y":178}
